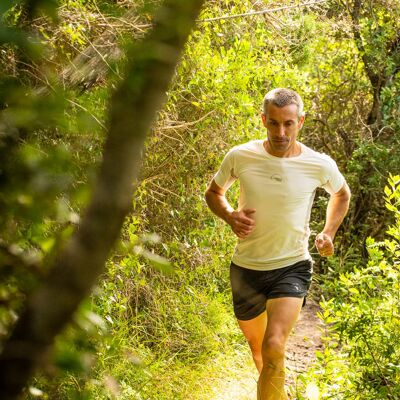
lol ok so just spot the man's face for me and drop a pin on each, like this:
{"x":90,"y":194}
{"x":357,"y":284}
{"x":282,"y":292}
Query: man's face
{"x":283,"y":125}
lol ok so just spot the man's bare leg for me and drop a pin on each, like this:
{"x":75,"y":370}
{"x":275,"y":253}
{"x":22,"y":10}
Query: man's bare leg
{"x":282,"y":314}
{"x":254,"y":331}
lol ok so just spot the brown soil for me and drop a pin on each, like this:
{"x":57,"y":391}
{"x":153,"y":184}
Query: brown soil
{"x":303,"y":343}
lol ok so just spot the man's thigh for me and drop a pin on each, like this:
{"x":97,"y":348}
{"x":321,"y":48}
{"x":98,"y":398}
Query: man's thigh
{"x":282,"y":314}
{"x":254,"y":330}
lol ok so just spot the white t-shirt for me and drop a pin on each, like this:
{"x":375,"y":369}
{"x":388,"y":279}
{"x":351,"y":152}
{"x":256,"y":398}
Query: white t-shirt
{"x":282,"y":191}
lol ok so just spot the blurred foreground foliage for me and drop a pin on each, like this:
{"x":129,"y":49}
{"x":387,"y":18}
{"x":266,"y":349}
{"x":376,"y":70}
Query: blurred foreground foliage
{"x":161,"y":313}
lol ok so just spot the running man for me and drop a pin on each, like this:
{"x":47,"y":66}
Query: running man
{"x":271,"y":267}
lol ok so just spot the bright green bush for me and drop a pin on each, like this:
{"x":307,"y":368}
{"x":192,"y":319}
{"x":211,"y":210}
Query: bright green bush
{"x":362,"y":319}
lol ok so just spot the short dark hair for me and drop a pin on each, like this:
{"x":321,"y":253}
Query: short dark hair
{"x":282,"y":97}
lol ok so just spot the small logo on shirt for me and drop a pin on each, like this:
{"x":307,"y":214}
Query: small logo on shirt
{"x":276,"y":178}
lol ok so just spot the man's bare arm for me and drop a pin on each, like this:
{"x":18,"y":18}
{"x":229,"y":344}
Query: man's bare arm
{"x":338,"y":206}
{"x":240,"y":221}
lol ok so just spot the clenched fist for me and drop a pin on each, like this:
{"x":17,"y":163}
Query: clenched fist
{"x":324,"y":245}
{"x":242,"y":222}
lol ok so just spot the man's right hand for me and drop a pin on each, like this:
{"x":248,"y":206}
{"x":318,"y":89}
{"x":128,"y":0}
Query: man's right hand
{"x":242,"y":222}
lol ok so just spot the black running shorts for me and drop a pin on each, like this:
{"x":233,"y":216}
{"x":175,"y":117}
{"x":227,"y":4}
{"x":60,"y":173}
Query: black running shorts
{"x":251,"y":289}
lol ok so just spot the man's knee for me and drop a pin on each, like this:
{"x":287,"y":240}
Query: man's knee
{"x":273,"y":348}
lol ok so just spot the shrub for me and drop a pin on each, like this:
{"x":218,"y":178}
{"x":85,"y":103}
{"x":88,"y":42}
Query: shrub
{"x":362,"y":319}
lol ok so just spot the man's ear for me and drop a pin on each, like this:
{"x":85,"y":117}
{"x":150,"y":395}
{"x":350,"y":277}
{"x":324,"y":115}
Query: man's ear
{"x":301,"y":121}
{"x":264,"y":119}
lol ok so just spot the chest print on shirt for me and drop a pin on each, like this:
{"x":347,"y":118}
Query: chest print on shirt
{"x":276,"y":178}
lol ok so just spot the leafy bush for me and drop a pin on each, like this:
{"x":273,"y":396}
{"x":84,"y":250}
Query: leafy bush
{"x":362,"y":352}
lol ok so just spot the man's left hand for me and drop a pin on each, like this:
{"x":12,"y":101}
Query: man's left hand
{"x":324,"y":245}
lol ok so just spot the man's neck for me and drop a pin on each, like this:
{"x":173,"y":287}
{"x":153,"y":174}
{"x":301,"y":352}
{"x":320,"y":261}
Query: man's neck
{"x":293,"y":151}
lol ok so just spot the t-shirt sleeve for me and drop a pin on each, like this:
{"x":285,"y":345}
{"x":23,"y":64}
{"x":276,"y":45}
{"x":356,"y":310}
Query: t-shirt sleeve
{"x":226,"y":174}
{"x":332,"y":179}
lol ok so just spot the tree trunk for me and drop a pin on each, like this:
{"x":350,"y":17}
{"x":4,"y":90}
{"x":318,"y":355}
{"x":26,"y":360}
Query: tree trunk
{"x":132,"y":110}
{"x":379,"y":78}
{"x":375,"y":77}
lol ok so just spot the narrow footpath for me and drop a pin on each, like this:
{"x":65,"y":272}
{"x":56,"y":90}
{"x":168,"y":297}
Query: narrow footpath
{"x":303,"y":343}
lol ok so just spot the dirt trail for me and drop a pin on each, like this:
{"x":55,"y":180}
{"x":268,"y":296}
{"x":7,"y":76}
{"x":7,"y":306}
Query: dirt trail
{"x":302,"y":345}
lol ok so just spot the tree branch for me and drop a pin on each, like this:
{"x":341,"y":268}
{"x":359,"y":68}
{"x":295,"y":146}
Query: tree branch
{"x":262,"y":12}
{"x":355,"y":16}
{"x":376,"y":78}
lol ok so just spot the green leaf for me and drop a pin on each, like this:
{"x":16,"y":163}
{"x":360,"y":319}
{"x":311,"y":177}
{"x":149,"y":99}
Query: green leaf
{"x":159,"y":262}
{"x":5,"y":5}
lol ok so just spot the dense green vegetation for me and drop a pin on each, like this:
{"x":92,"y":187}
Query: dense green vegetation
{"x":159,"y":323}
{"x":361,"y":355}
